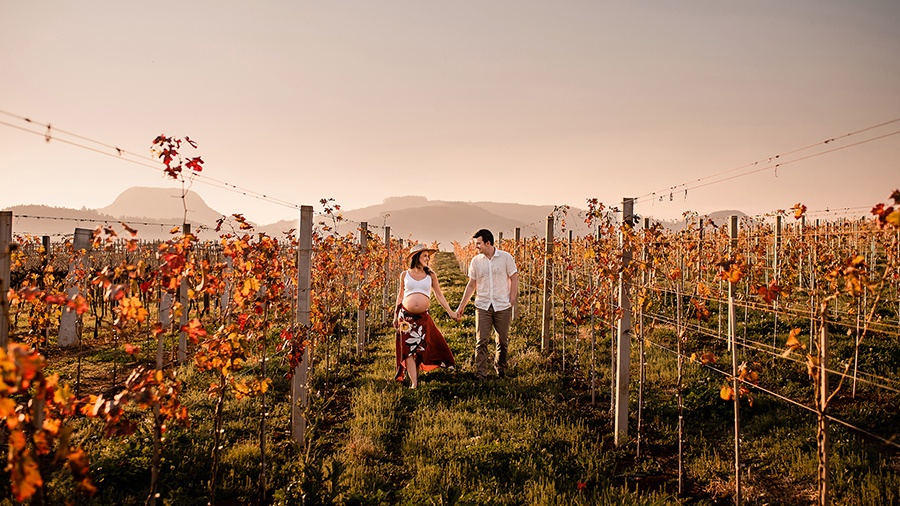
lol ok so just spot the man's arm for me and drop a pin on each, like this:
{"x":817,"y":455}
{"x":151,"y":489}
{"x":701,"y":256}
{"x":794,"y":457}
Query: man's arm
{"x":514,"y":292}
{"x":467,"y":294}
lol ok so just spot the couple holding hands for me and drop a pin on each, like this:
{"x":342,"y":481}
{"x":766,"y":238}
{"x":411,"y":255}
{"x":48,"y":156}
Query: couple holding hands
{"x":493,"y":278}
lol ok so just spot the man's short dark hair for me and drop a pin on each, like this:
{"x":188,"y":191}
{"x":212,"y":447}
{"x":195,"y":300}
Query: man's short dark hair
{"x":485,"y":235}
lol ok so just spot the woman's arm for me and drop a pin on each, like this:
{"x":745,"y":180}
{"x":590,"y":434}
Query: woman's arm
{"x":399,"y":301}
{"x":439,"y":295}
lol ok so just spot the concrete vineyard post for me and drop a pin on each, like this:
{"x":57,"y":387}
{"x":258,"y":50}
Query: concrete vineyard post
{"x":548,"y":287}
{"x":385,"y":295}
{"x":733,"y":233}
{"x":300,"y":378}
{"x":623,"y":373}
{"x":361,"y":312}
{"x":5,"y":275}
{"x":185,"y":304}
{"x":69,"y":326}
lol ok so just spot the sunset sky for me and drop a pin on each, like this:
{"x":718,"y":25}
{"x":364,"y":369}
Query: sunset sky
{"x":535,"y":102}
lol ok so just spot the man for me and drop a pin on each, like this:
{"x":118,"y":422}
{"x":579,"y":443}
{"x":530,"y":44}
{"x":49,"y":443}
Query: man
{"x":494,"y":278}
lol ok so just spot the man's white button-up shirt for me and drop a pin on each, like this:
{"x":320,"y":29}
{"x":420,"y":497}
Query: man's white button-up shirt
{"x":492,"y":278}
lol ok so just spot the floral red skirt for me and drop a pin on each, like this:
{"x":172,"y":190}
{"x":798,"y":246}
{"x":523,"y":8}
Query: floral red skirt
{"x":419,"y":337}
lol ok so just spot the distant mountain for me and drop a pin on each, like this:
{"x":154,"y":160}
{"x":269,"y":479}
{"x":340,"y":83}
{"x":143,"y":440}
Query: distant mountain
{"x":161,"y":204}
{"x":154,"y":211}
{"x":423,"y":220}
{"x":718,"y":219}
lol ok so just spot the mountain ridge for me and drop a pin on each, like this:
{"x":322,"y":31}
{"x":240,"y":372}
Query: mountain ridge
{"x":154,"y":211}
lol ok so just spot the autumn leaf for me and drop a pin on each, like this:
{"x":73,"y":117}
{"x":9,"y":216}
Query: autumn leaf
{"x":7,"y":407}
{"x":886,"y":215}
{"x":702,"y":289}
{"x":77,"y":461}
{"x":799,"y":210}
{"x":793,"y":343}
{"x":63,"y":394}
{"x":704,"y":358}
{"x":674,"y":274}
{"x":195,"y":164}
{"x":730,"y":270}
{"x":25,"y":476}
{"x":726,"y":393}
{"x":700,"y":309}
{"x":128,"y":229}
{"x":769,"y":293}
{"x":812,"y":366}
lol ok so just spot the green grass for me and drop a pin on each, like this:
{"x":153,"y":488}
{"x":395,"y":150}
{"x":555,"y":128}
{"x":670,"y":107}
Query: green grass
{"x":531,"y":438}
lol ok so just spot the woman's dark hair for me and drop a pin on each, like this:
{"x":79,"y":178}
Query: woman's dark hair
{"x":414,"y":262}
{"x":485,"y":235}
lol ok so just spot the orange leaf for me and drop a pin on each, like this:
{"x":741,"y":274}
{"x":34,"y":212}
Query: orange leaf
{"x":726,"y":393}
{"x":7,"y":407}
{"x":793,"y":343}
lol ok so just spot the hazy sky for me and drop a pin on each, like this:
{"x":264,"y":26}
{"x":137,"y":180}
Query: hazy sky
{"x":535,"y":102}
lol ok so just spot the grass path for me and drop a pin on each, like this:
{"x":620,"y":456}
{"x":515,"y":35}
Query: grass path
{"x":456,"y":440}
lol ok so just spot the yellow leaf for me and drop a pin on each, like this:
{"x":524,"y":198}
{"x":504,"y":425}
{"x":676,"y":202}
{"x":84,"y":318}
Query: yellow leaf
{"x":894,"y":218}
{"x":702,"y":289}
{"x":7,"y":407}
{"x":63,"y":394}
{"x":726,"y":393}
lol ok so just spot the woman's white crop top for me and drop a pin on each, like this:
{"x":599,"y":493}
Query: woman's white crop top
{"x":411,"y":286}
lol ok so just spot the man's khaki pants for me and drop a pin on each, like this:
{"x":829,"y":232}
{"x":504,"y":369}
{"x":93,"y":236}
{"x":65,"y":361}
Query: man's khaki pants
{"x":485,"y":322}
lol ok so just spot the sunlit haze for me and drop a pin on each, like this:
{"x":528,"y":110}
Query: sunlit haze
{"x":506,"y":101}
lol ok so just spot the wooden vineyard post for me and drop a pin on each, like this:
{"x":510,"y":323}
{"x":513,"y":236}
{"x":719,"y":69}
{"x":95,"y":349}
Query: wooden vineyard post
{"x":69,"y":327}
{"x":593,"y":350}
{"x":361,"y":312}
{"x":45,"y":263}
{"x":566,"y":298}
{"x":518,"y":237}
{"x":623,"y":368}
{"x":776,"y":270}
{"x":822,"y":439}
{"x":5,"y":275}
{"x":679,"y":339}
{"x":813,"y":282}
{"x":800,"y":263}
{"x":385,"y":294}
{"x":548,"y":287}
{"x":185,"y":304}
{"x":300,"y":378}
{"x":732,"y":247}
{"x":641,"y":351}
{"x":515,"y":254}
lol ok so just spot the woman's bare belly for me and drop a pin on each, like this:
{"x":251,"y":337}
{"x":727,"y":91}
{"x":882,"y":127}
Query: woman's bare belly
{"x":416,"y":303}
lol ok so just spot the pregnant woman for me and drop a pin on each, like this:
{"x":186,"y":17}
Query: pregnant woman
{"x":420,"y":345}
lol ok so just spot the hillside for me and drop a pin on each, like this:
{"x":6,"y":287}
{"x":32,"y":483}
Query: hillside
{"x":420,"y":219}
{"x":154,"y":211}
{"x":141,"y":203}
